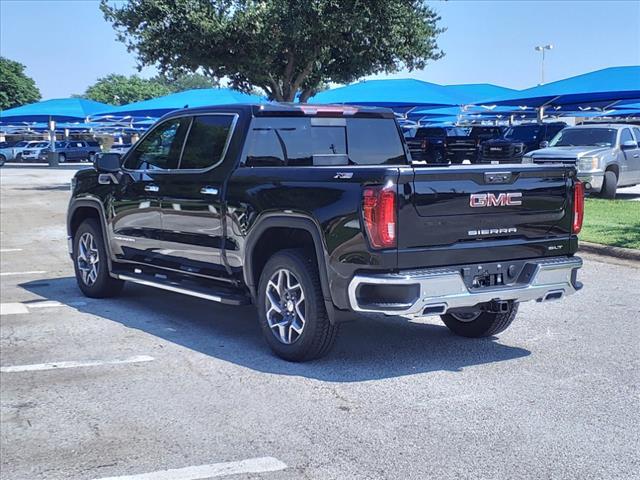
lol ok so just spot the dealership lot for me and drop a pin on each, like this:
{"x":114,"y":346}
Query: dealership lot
{"x":175,"y":387}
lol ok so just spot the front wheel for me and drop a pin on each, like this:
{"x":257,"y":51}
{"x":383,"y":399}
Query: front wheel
{"x":91,"y":263}
{"x":609,"y":185}
{"x":3,"y":159}
{"x":62,"y":158}
{"x":479,"y":323}
{"x":292,"y":314}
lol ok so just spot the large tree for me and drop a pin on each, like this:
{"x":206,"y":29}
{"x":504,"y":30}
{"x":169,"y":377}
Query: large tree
{"x":283,"y":47}
{"x":186,"y":81}
{"x":16,"y":88}
{"x":120,"y":89}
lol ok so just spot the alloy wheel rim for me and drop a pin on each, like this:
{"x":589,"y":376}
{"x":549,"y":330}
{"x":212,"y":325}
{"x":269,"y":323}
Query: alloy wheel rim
{"x":88,"y":259}
{"x":466,"y":317}
{"x":285,"y":306}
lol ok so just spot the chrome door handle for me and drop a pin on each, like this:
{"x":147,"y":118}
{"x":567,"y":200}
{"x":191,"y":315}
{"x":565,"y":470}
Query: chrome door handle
{"x":209,"y":191}
{"x":151,"y":188}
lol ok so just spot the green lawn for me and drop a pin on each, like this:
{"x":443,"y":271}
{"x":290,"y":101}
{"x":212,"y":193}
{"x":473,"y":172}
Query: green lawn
{"x":612,"y":222}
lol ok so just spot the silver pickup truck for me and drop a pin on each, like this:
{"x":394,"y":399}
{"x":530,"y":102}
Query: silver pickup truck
{"x":607,"y":156}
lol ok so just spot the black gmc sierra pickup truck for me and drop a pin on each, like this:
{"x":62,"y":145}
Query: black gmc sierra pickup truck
{"x":315,"y":213}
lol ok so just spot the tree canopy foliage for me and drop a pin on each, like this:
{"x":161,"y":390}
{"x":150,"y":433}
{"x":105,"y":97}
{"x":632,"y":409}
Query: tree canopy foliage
{"x":283,"y":47}
{"x":120,"y":89}
{"x":186,"y":81}
{"x":16,"y":88}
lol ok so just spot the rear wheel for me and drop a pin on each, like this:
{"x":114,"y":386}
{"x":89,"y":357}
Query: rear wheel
{"x":480,"y":323}
{"x":292,"y":314}
{"x":92,"y":157}
{"x":91,"y":264}
{"x":3,"y":159}
{"x":610,"y":185}
{"x":62,"y":158}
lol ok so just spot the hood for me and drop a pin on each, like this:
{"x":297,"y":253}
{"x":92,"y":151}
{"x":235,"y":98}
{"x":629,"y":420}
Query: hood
{"x":569,"y":152}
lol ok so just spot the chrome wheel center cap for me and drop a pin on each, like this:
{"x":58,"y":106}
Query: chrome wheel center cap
{"x":290,"y":305}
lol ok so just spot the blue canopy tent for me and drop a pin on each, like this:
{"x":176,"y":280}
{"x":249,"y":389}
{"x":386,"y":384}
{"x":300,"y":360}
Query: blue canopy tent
{"x":399,"y":94}
{"x":473,"y":92}
{"x":601,"y":88}
{"x":60,"y":110}
{"x":157,"y":107}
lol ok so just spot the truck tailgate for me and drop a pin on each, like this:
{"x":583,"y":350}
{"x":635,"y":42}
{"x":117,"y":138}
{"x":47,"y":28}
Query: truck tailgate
{"x":475,"y":207}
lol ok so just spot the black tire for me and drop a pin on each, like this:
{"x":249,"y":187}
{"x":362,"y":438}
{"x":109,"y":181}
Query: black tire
{"x":62,"y":158}
{"x":485,"y":324}
{"x":104,"y":284}
{"x":318,"y":333}
{"x":3,"y":159}
{"x":92,"y":157}
{"x":610,"y":185}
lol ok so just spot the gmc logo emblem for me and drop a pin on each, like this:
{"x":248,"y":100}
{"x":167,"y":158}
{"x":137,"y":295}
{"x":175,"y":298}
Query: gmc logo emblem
{"x":490,"y":200}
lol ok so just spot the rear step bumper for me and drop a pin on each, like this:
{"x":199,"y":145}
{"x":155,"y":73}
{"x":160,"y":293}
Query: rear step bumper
{"x":435,"y":291}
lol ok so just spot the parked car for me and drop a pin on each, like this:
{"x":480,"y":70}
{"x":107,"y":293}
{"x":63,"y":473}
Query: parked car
{"x":607,"y":155}
{"x":315,"y":214}
{"x":466,"y":147}
{"x":517,"y":141}
{"x":6,"y":152}
{"x":38,"y":151}
{"x":428,"y":143}
{"x":11,"y":152}
{"x":73,"y":150}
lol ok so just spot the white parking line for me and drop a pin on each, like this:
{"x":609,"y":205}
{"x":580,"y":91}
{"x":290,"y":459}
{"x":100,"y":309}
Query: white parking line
{"x":59,"y":365}
{"x":18,"y":308}
{"x":251,"y":465}
{"x":6,"y":250}
{"x":32,"y":272}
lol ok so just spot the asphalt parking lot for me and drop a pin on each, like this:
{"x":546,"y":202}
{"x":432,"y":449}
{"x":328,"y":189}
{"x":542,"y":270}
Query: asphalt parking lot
{"x":153,"y":385}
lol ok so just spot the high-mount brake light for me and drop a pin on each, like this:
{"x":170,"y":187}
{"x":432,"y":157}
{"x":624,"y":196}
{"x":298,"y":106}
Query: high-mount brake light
{"x":315,"y":109}
{"x":379,"y":212}
{"x":578,"y":206}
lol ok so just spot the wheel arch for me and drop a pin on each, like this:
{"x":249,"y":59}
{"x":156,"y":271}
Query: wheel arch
{"x":260,"y":231}
{"x":80,"y":210}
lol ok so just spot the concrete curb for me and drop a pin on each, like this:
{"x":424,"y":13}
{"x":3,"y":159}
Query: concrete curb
{"x":609,"y":251}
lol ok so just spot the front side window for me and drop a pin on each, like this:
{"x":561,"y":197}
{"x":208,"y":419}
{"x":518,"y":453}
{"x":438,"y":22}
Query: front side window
{"x":625,"y":136}
{"x":160,"y":150}
{"x":206,"y":141}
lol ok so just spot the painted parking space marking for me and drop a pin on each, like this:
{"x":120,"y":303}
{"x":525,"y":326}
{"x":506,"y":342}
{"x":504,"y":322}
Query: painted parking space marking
{"x":32,"y":272}
{"x":199,"y":472}
{"x":7,"y":250}
{"x":72,"y":364}
{"x":15,"y":308}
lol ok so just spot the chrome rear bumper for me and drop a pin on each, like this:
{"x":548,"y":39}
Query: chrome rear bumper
{"x":441,"y":289}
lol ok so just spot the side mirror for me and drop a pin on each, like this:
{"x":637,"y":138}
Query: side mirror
{"x":544,"y":144}
{"x":107,"y":163}
{"x":629,"y":145}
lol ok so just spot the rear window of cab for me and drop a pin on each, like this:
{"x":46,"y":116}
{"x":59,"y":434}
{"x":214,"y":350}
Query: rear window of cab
{"x":322,"y":141}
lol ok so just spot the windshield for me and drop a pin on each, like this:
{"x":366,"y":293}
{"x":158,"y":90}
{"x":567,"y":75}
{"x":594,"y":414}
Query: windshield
{"x":22,"y":144}
{"x":485,"y":131}
{"x":524,"y":133}
{"x":41,"y":145}
{"x":583,"y":137}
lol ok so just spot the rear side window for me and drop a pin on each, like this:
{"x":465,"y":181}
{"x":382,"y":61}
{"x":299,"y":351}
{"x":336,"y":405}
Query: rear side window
{"x":161,"y":148}
{"x":323,"y":141}
{"x":206,"y":141}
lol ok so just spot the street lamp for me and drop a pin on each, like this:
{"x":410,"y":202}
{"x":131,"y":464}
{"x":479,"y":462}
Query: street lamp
{"x":542,"y":48}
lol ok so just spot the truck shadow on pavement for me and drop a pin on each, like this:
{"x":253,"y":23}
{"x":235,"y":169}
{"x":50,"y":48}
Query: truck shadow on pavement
{"x":367,"y":349}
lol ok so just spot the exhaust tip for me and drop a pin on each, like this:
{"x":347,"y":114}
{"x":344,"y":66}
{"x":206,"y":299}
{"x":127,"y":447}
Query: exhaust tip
{"x":553,"y":296}
{"x":438,"y":309}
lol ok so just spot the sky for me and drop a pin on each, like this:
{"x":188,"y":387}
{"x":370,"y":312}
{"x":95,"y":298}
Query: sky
{"x":67,"y":45}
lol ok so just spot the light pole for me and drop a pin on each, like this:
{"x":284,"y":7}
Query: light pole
{"x":542,"y":48}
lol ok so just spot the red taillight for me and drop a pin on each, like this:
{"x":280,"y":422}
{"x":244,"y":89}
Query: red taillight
{"x":578,"y":206}
{"x":379,"y":211}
